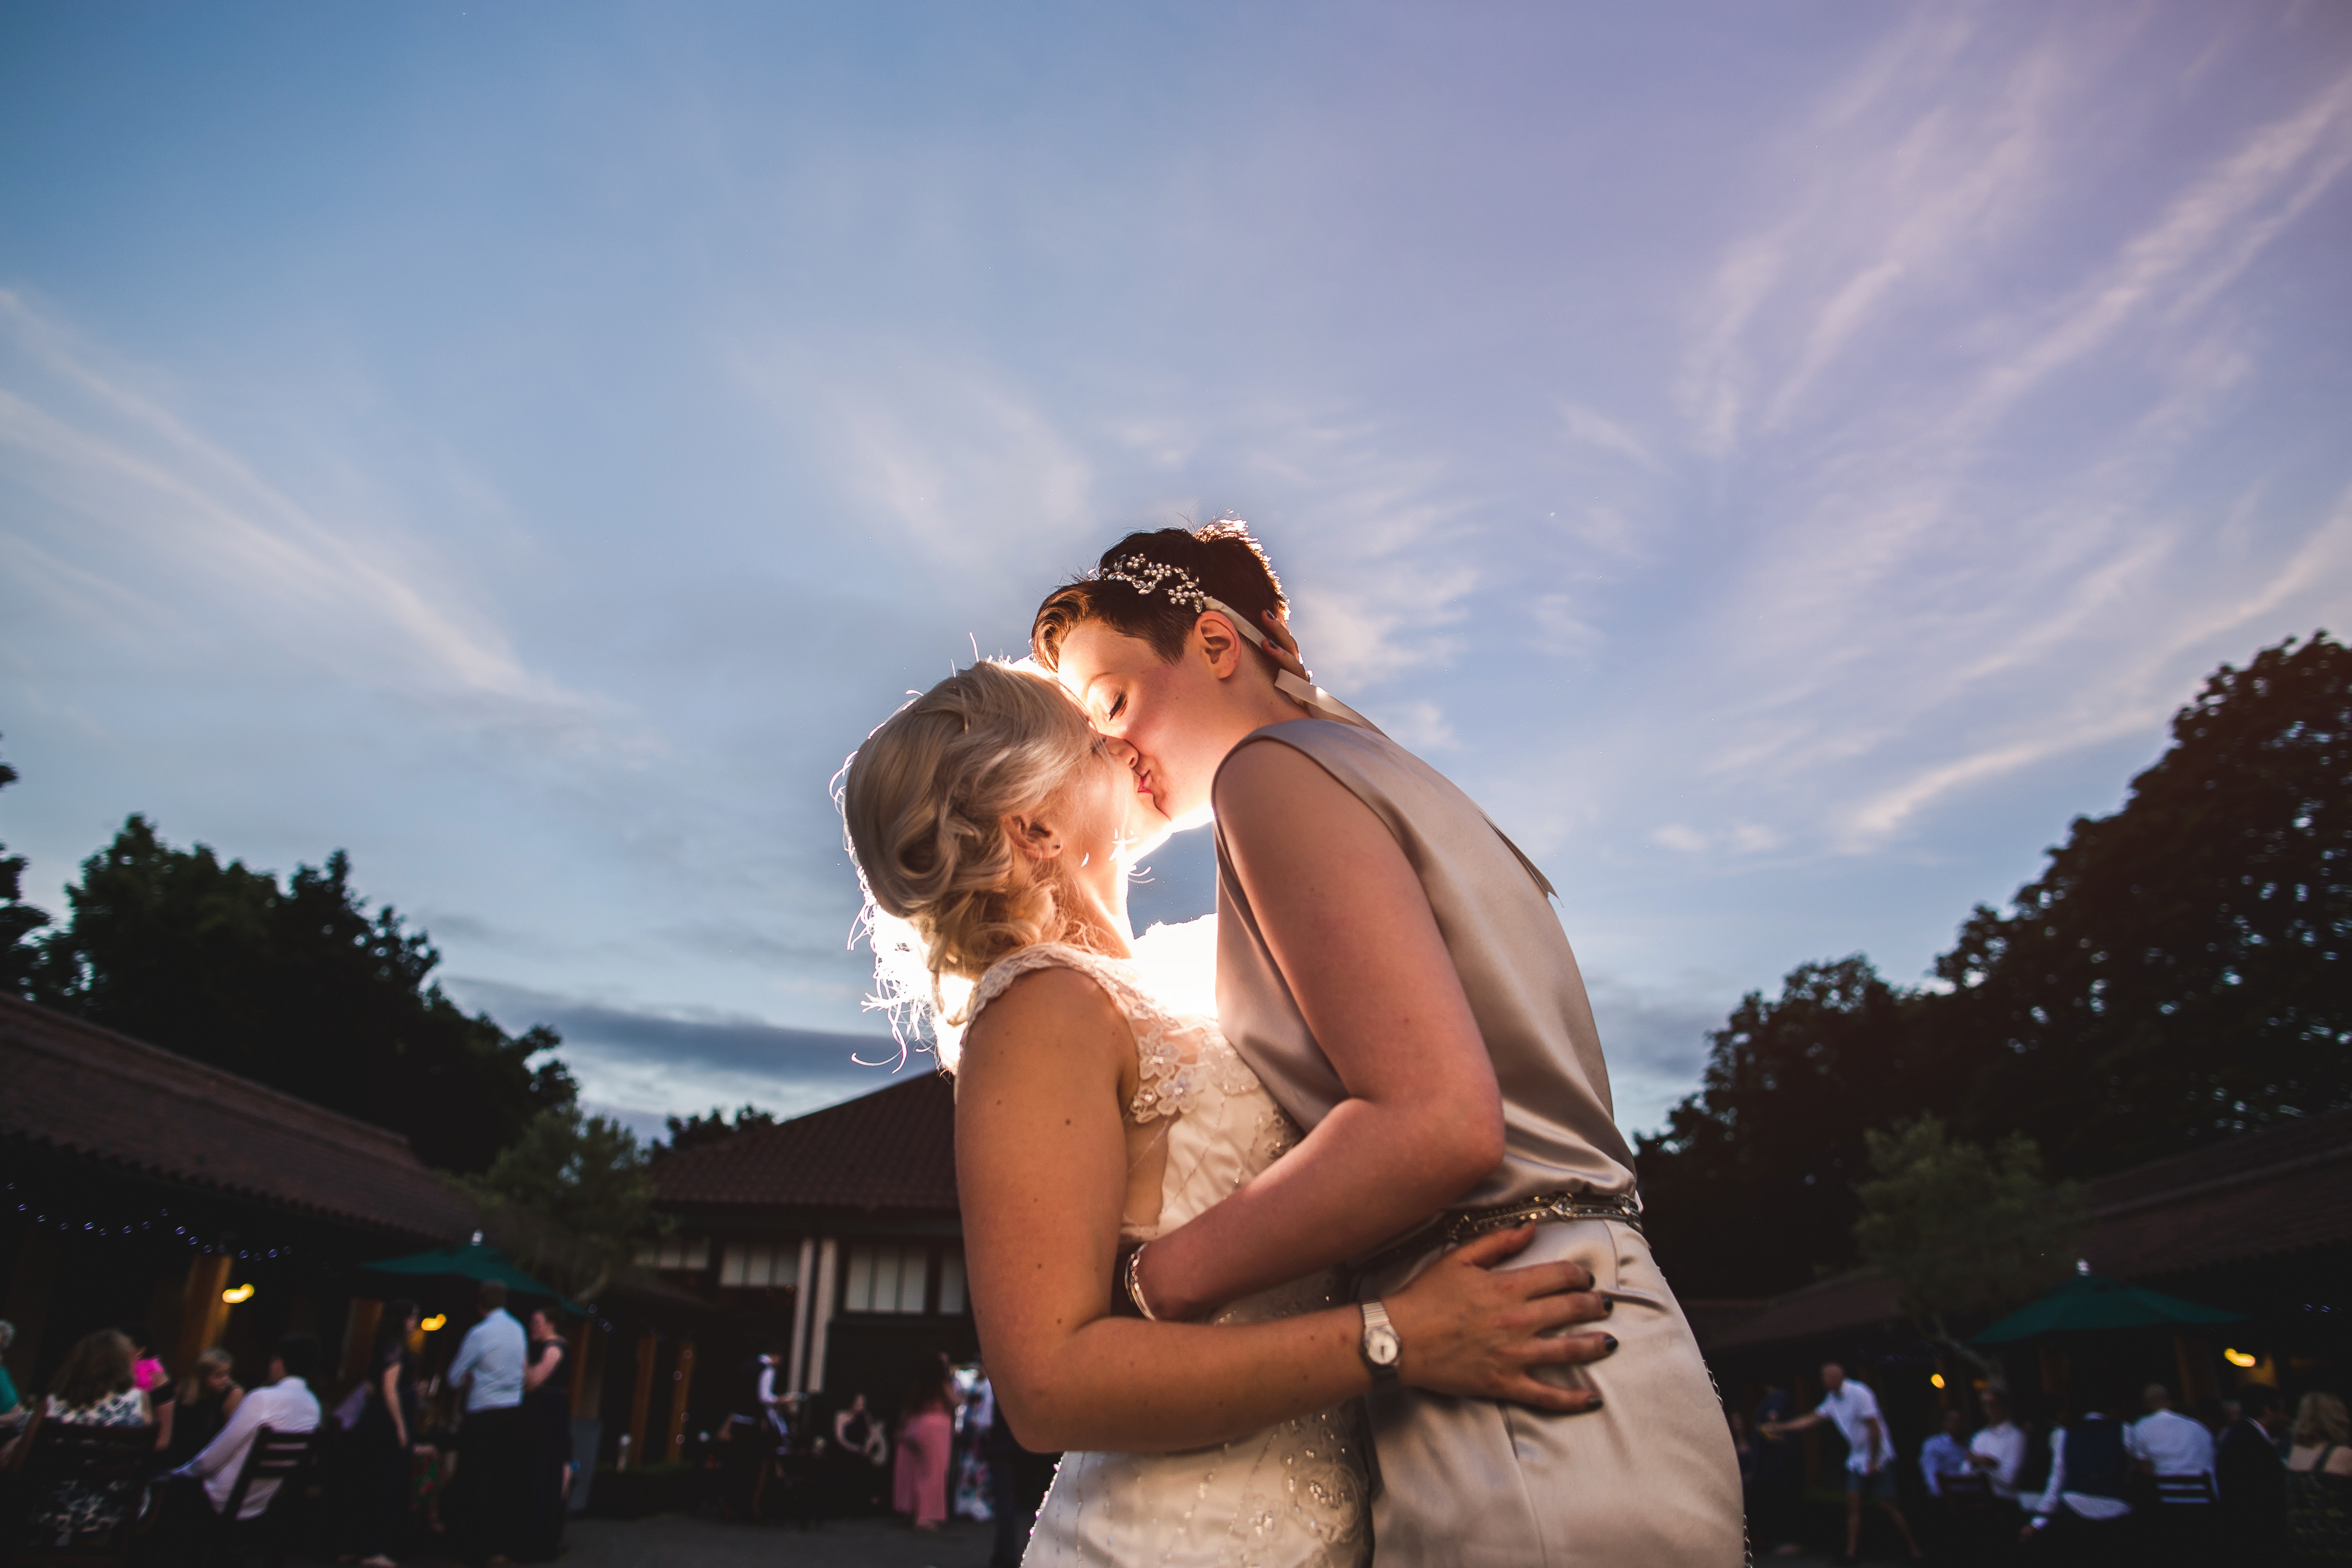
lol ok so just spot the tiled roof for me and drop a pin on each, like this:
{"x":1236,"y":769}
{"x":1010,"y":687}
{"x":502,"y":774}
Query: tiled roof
{"x":2281,"y":1189}
{"x":893,"y":1149}
{"x":87,"y":1091}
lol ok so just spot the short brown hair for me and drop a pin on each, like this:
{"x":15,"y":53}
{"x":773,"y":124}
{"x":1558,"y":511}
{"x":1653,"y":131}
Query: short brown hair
{"x":490,"y":1295}
{"x":1225,"y":558}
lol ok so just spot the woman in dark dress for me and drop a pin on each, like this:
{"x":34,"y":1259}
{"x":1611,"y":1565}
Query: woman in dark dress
{"x":547,"y":1420}
{"x":387,"y":1427}
{"x":209,"y":1396}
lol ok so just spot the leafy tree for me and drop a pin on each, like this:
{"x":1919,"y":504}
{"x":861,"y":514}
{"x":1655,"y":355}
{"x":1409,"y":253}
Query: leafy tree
{"x":299,"y":987}
{"x":701,"y":1131}
{"x":570,"y":1201}
{"x":1749,"y":1190}
{"x":2182,"y":971}
{"x":18,"y":920}
{"x":1964,"y":1230}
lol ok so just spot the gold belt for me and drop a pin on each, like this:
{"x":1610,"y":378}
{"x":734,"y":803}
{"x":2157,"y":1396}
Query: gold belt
{"x":1450,"y":1230}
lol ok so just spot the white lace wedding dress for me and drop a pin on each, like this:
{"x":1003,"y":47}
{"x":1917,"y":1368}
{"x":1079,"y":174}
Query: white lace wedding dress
{"x":1294,"y":1495}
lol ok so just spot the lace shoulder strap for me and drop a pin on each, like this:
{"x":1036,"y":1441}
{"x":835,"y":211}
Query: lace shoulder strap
{"x":1104,"y":972}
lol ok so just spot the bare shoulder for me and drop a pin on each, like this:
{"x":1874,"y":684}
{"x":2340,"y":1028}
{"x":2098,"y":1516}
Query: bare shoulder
{"x":1051,"y":1012}
{"x":1269,"y":789}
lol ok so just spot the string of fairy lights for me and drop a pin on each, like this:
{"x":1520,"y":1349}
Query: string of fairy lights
{"x":157,"y":1224}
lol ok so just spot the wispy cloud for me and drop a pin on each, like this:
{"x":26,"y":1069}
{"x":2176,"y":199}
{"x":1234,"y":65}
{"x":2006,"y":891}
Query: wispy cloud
{"x":194,"y":533}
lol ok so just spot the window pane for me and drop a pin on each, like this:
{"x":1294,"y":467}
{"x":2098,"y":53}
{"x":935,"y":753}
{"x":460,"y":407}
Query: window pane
{"x":859,"y":1295}
{"x":952,"y":1281}
{"x":649,"y":1256}
{"x":912,"y":1269}
{"x":730,"y":1266}
{"x":695,"y":1253}
{"x":785,"y":1271}
{"x":886,"y":1278}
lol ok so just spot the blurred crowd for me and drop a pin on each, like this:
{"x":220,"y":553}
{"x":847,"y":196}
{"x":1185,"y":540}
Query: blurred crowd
{"x":2100,"y":1484}
{"x":475,"y":1464}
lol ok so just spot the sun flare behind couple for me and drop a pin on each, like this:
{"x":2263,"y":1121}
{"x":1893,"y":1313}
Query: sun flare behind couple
{"x":1352,"y":1268}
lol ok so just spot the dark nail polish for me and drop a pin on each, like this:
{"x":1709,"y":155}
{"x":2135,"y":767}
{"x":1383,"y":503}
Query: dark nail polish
{"x":1596,"y":1403}
{"x":1609,"y":1343}
{"x":1607,"y":1306}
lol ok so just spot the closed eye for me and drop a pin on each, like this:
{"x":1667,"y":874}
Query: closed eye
{"x":1117,"y":705}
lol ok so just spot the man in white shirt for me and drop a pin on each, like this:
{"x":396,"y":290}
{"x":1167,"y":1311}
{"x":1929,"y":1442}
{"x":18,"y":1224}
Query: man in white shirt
{"x":489,"y":1493}
{"x":1869,"y":1452}
{"x":284,"y":1405}
{"x":2166,"y":1442}
{"x":2084,"y":1509}
{"x":1999,"y":1447}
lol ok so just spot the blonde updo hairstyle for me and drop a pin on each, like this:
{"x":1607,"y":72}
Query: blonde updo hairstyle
{"x":923,"y":803}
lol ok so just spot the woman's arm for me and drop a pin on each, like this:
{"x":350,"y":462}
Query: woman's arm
{"x":1352,"y":932}
{"x":544,"y":1368}
{"x":388,"y":1384}
{"x":163,"y":1421}
{"x":231,"y":1400}
{"x":1041,"y":1163}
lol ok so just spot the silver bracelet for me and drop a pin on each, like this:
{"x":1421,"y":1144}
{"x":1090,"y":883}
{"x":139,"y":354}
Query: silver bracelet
{"x":1134,"y":1282}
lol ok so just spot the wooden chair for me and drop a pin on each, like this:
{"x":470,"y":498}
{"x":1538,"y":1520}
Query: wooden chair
{"x":1966,"y":1488}
{"x":54,"y":1454}
{"x":2185,"y":1492}
{"x":284,"y":1457}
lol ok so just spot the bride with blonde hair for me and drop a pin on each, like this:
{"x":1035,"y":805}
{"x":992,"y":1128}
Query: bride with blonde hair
{"x":994,"y":831}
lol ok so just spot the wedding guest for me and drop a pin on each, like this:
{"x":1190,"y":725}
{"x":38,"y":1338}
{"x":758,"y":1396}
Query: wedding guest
{"x":2253,"y":1480}
{"x":154,"y":1380}
{"x":925,"y":1442}
{"x":13,"y":1413}
{"x":2319,"y":1483}
{"x":285,"y":1404}
{"x":2082,"y":1515}
{"x":1869,"y":1453}
{"x":1998,"y":1450}
{"x":96,"y":1386}
{"x":486,"y":1498}
{"x":386,"y":1436}
{"x":208,"y":1397}
{"x":2166,"y":1443}
{"x":547,"y":1417}
{"x":1946,"y":1454}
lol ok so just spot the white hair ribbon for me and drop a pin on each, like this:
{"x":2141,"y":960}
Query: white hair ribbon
{"x":1147,"y":576}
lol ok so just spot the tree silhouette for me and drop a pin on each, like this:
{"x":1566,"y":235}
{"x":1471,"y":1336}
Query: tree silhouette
{"x":297,"y":986}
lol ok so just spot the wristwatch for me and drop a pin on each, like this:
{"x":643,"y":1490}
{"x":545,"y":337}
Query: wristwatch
{"x":1380,"y":1347}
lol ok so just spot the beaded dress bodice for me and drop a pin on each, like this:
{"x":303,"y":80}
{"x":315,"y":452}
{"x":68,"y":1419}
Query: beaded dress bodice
{"x":1294,"y":1494}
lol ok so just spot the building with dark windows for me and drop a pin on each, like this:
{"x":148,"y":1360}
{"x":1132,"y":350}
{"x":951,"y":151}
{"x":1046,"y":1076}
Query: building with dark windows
{"x":832,"y":1238}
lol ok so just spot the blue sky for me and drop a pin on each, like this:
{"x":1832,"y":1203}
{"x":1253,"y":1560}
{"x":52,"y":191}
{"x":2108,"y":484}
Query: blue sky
{"x":1785,"y":461}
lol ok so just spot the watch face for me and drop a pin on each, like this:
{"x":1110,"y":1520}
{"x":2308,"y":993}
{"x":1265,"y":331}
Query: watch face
{"x":1383,"y":1346}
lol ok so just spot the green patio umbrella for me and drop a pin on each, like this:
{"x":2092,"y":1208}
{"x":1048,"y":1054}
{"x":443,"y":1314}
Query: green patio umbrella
{"x":476,"y":1262}
{"x":2088,"y":1304}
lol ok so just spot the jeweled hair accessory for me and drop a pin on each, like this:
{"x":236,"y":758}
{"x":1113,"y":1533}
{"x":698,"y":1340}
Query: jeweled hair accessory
{"x":1178,"y":586}
{"x":1148,"y":577}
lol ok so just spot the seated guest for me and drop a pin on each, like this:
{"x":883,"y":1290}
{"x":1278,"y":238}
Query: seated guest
{"x":12,"y":1413}
{"x":1946,"y":1454}
{"x":2254,"y":1481}
{"x":2319,"y":1482}
{"x":209,"y":1396}
{"x":2166,"y":1443}
{"x":2083,"y":1516}
{"x":154,"y":1380}
{"x":1998,"y":1447}
{"x":285,"y":1404}
{"x":96,"y":1388}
